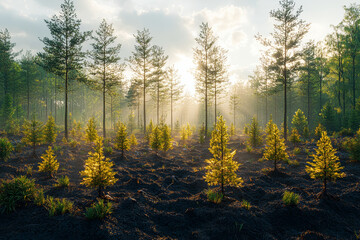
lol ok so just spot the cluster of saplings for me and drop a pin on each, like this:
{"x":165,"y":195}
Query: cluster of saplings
{"x":325,"y":165}
{"x":98,"y":172}
{"x":220,"y":171}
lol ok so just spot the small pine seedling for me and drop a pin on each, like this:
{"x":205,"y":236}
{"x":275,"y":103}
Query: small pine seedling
{"x":149,"y":130}
{"x":156,"y":139}
{"x":166,"y":138}
{"x":121,"y":141}
{"x":326,"y":165}
{"x":183,"y":135}
{"x":275,"y":149}
{"x":98,"y":210}
{"x":133,"y":141}
{"x":299,"y":121}
{"x":5,"y":149}
{"x":255,"y":138}
{"x":295,"y":136}
{"x":221,"y":169}
{"x":49,"y":164}
{"x":318,"y":130}
{"x":91,"y":132}
{"x":50,"y":131}
{"x":98,"y":171}
{"x":33,"y":134}
{"x":291,"y":198}
{"x":63,"y":181}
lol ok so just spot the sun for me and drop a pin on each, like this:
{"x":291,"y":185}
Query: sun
{"x":186,"y":67}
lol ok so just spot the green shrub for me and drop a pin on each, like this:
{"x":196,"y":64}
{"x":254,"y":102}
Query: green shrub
{"x":254,"y":133}
{"x":245,"y":204}
{"x":353,"y":146}
{"x":291,"y":198}
{"x":58,"y":206}
{"x":249,"y":149}
{"x":39,"y":198}
{"x":16,"y":192}
{"x":29,"y":171}
{"x":5,"y":149}
{"x":108,"y":150}
{"x":346,"y":132}
{"x":73,"y":143}
{"x":63,"y":181}
{"x":98,"y":210}
{"x":297,"y":151}
{"x":215,"y":197}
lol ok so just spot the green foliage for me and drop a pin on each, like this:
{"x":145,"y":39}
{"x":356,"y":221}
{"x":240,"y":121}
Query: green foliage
{"x":290,"y":198}
{"x":50,"y":131}
{"x":63,"y":53}
{"x":299,"y":121}
{"x":33,"y":133}
{"x":131,"y":122}
{"x":166,"y":138}
{"x":297,"y":151}
{"x":328,"y":117}
{"x":98,"y":169}
{"x":275,"y":147}
{"x":15,"y":192}
{"x":8,"y":111}
{"x":213,"y":196}
{"x":249,"y":149}
{"x":269,"y":127}
{"x":98,"y":210}
{"x":63,"y":181}
{"x":245,"y":204}
{"x":108,"y":150}
{"x":76,"y":131}
{"x":91,"y":132}
{"x":295,"y":136}
{"x":121,"y":141}
{"x":221,"y":169}
{"x":189,"y":131}
{"x":5,"y":149}
{"x":326,"y":165}
{"x":132,"y":140}
{"x":246,"y":129}
{"x":232,"y":130}
{"x":183,"y":135}
{"x":306,"y":133}
{"x":202,"y":134}
{"x":156,"y":139}
{"x":353,"y":146}
{"x":254,"y":133}
{"x":149,"y":130}
{"x":49,"y":164}
{"x":58,"y":206}
{"x":39,"y":198}
{"x":318,"y":130}
{"x":346,"y":132}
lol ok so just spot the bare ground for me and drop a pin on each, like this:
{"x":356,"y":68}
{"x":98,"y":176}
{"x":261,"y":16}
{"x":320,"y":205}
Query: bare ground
{"x":163,"y":197}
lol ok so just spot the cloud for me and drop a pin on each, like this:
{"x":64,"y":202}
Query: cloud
{"x":228,"y":23}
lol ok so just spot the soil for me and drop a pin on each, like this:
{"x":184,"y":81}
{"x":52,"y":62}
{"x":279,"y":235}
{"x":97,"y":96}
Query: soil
{"x":163,"y":196}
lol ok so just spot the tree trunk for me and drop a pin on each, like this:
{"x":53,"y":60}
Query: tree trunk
{"x":66,"y":104}
{"x":353,"y":78}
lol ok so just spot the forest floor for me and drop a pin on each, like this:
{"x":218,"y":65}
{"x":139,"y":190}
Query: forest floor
{"x":163,"y":197}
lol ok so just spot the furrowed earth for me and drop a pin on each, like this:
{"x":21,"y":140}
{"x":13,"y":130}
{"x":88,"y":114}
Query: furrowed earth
{"x":163,"y":196}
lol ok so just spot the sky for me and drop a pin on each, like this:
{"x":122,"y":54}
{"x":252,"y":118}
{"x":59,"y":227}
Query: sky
{"x":174,"y":25}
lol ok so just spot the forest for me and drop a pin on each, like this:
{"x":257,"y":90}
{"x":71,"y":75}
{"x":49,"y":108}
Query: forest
{"x":98,"y":145}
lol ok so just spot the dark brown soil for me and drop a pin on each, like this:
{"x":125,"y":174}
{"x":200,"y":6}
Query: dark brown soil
{"x":163,"y":197}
